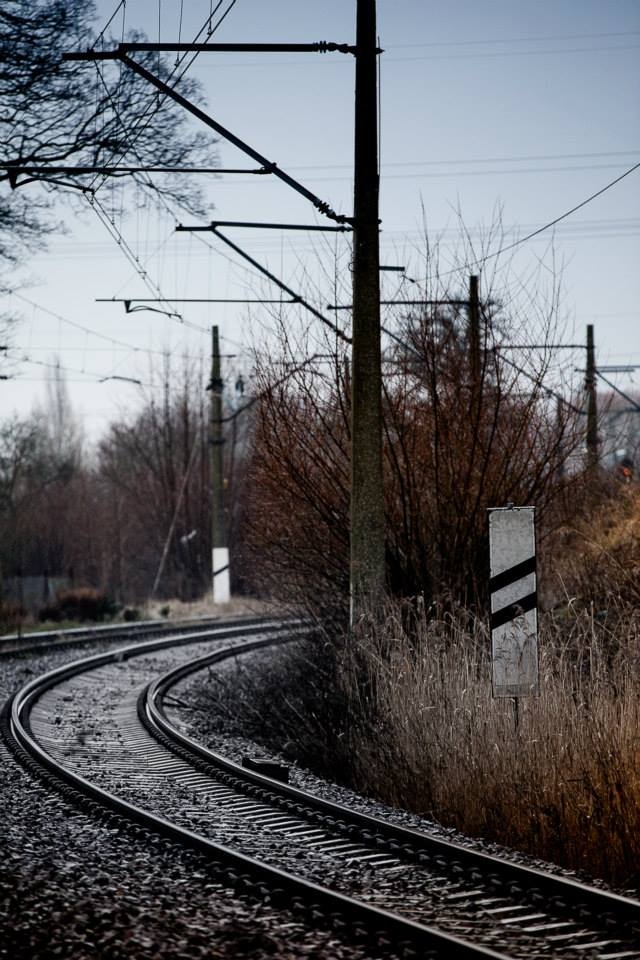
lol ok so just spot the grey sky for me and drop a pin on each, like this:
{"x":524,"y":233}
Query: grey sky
{"x":524,"y":107}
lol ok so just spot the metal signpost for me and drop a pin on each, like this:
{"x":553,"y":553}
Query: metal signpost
{"x":514,"y":615}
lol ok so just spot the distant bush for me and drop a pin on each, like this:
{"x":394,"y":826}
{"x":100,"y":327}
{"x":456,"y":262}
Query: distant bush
{"x":11,"y":614}
{"x":165,"y":611}
{"x":131,"y":614}
{"x":82,"y":603}
{"x":597,"y":559}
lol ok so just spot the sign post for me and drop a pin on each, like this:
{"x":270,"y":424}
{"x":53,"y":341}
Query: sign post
{"x":514,"y":614}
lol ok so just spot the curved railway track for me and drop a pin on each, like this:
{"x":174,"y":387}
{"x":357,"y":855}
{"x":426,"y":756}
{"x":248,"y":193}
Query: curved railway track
{"x":100,"y":729}
{"x":12,"y":644}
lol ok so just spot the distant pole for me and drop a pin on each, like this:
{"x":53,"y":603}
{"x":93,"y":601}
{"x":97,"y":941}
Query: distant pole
{"x":560,"y":427}
{"x":592,"y":401}
{"x":474,"y":341}
{"x":219,"y":544}
{"x":367,"y":573}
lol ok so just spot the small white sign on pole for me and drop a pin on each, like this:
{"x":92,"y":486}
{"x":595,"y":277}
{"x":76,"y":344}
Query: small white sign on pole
{"x":514,"y":614}
{"x":221,"y":587}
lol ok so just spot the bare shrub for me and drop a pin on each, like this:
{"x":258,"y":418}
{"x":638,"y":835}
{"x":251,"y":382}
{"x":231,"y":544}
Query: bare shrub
{"x":459,"y":437}
{"x":152,"y":477}
{"x":11,"y":615}
{"x":597,"y":557}
{"x":292,"y":701}
{"x":81,"y":603}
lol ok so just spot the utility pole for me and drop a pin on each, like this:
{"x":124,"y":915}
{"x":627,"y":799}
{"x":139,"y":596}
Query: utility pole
{"x":560,"y":427}
{"x":592,"y":402}
{"x":367,"y":569}
{"x":474,"y":342}
{"x":219,"y":544}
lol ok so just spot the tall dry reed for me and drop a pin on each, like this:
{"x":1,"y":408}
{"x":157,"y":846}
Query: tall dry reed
{"x":563,"y":782}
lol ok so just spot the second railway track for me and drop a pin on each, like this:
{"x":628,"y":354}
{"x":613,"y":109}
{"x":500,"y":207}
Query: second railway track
{"x":99,"y":726}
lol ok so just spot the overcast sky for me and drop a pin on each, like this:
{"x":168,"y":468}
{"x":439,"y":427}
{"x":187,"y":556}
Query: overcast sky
{"x":502,"y":108}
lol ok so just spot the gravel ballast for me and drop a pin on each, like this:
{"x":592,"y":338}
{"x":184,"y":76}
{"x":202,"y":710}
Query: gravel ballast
{"x":71,"y":887}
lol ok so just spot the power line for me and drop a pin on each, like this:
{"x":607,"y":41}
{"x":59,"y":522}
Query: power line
{"x":490,"y":173}
{"x":578,"y":206}
{"x":17,"y":378}
{"x":100,"y":377}
{"x":121,"y":345}
{"x":543,"y":39}
{"x":513,"y":53}
{"x":150,"y":284}
{"x":109,"y":222}
{"x":273,"y":278}
{"x":484,"y":55}
{"x":624,"y":395}
{"x":547,"y":390}
{"x":119,"y":239}
{"x":583,"y":229}
{"x":78,"y":326}
{"x":146,"y":350}
{"x":442,"y":174}
{"x":122,"y":3}
{"x":547,"y":226}
{"x":150,"y":112}
{"x":536,"y":380}
{"x":527,"y":158}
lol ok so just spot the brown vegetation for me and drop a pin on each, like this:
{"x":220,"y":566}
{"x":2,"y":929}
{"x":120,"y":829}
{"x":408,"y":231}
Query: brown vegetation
{"x":83,"y":604}
{"x":103,"y":519}
{"x":459,"y":437}
{"x":559,"y":779}
{"x":405,"y":713}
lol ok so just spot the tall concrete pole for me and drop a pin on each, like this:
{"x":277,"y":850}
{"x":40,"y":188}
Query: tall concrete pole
{"x":367,"y":503}
{"x":475,"y":366}
{"x":219,"y":543}
{"x":474,"y":334}
{"x":560,"y":468}
{"x":592,"y":401}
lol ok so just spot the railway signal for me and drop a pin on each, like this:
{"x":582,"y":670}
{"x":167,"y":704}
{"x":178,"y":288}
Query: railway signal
{"x":514,"y":614}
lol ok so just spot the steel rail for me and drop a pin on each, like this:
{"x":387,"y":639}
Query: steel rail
{"x":11,"y":644}
{"x":321,"y":902}
{"x":398,"y":840}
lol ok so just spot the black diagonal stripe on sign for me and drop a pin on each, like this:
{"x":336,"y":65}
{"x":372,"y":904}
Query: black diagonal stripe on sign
{"x":517,"y":572}
{"x":513,"y":610}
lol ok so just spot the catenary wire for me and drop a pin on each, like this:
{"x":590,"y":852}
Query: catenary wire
{"x":547,"y":226}
{"x":542,"y":39}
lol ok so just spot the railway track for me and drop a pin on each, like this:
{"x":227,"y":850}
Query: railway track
{"x":101,"y":730}
{"x":41,"y":640}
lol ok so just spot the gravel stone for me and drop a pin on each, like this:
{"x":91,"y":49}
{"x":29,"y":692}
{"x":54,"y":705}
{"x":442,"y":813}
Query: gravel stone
{"x":75,"y":889}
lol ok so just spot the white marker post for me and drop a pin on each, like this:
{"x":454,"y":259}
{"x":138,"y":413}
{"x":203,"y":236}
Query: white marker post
{"x":220,"y":563}
{"x":514,"y":614}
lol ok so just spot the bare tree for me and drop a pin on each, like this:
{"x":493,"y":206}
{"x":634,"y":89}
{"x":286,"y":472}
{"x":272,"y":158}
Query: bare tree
{"x":153,"y":477}
{"x":68,"y":113}
{"x":458,"y":438}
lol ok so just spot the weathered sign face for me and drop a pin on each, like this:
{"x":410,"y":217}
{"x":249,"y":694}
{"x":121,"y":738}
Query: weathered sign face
{"x":514,"y":615}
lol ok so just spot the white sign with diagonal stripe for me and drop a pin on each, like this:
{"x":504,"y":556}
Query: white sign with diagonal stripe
{"x":514,"y":615}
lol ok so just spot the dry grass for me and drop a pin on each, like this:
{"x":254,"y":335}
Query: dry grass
{"x":406,"y":715}
{"x":404,"y":711}
{"x":598,"y":557}
{"x":564,"y":784}
{"x":205,"y":607}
